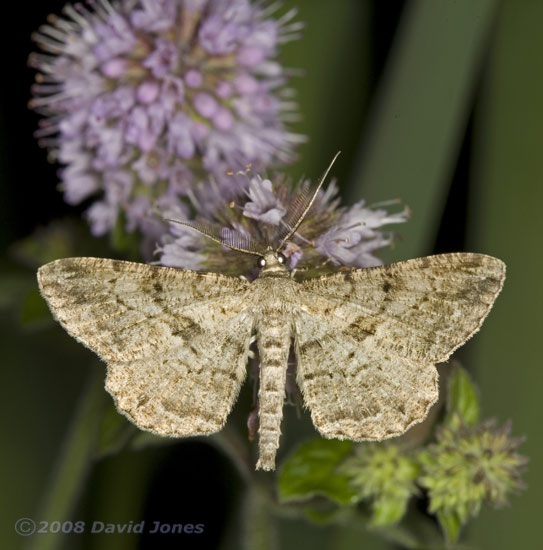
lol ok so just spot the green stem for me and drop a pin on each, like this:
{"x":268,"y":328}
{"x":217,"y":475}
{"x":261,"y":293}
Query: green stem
{"x":256,"y":519}
{"x":259,"y":529}
{"x":74,"y":462}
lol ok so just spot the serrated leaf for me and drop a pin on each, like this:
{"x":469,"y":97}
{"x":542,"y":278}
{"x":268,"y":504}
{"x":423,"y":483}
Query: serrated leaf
{"x":312,"y":471}
{"x":450,"y":524}
{"x":462,"y":399}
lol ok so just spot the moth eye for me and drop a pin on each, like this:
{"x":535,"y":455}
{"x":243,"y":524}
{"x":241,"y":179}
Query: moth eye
{"x":281,"y":258}
{"x":261,"y":262}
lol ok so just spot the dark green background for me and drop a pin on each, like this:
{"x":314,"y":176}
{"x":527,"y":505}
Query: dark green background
{"x":436,"y":102}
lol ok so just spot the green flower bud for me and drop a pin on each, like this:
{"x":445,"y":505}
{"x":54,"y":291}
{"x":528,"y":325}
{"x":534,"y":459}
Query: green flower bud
{"x":467,"y":467}
{"x":385,"y":474}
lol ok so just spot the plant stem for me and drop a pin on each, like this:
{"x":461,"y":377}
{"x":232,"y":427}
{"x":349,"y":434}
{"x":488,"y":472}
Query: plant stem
{"x":74,"y":462}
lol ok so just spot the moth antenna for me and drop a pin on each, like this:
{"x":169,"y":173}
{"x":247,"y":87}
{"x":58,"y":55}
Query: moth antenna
{"x":223,"y":236}
{"x":301,"y":205}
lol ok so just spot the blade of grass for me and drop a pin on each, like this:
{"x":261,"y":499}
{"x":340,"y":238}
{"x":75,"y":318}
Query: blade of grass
{"x":505,"y":220}
{"x":420,"y":113}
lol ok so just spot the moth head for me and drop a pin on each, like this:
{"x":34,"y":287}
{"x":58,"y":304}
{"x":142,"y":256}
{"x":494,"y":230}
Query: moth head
{"x":272,"y":261}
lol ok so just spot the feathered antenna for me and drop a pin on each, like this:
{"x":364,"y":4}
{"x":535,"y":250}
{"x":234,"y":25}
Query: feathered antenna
{"x":301,"y":205}
{"x":224,"y":236}
{"x":236,"y":240}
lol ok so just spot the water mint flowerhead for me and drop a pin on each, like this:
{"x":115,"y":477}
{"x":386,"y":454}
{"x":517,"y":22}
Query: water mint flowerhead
{"x":330,"y":235}
{"x":470,"y":466}
{"x":385,"y":474}
{"x":145,"y":100}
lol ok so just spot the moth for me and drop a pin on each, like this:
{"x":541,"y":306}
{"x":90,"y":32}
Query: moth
{"x":366,"y":341}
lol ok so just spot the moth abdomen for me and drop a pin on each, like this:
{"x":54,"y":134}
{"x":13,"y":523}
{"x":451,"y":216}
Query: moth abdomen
{"x":274,"y":338}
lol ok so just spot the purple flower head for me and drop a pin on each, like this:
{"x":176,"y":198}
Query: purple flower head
{"x":258,"y":214}
{"x":164,"y":96}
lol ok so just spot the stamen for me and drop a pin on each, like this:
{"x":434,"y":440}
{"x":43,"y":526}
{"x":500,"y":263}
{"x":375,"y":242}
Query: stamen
{"x":79,"y":19}
{"x":53,"y":33}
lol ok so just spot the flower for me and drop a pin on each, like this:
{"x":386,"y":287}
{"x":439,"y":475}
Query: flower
{"x":354,"y":238}
{"x":384,"y":473}
{"x":145,"y":100}
{"x":329,"y":235}
{"x":264,"y":205}
{"x":469,"y":466}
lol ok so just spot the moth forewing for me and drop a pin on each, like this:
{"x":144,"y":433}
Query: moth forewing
{"x":176,"y":342}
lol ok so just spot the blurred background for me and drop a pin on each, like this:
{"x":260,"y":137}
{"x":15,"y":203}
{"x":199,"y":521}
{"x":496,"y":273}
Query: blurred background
{"x":437,"y":103}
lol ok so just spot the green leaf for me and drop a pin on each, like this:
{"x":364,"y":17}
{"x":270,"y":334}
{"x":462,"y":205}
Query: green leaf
{"x":142,"y":440}
{"x":388,"y":509}
{"x":311,"y":471}
{"x":19,"y":295}
{"x":61,"y":238}
{"x":450,"y":524}
{"x":13,"y":285}
{"x":34,"y":309}
{"x":115,"y":431}
{"x":462,"y":400}
{"x":46,"y":243}
{"x":327,"y":514}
